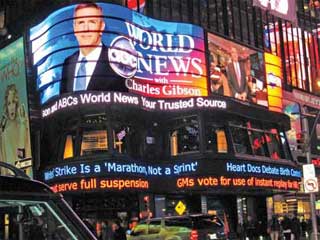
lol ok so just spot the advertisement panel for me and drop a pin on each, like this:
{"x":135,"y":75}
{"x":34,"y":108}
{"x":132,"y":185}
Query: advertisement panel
{"x":107,"y":47}
{"x":281,"y":8}
{"x":292,"y":109}
{"x":274,"y":81}
{"x":14,"y":130}
{"x":236,"y":71}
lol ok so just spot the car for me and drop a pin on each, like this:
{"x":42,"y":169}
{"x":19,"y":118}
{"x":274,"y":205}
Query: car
{"x":29,"y":209}
{"x":187,"y":227}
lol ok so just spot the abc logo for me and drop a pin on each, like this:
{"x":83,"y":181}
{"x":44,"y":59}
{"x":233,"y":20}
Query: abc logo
{"x":123,"y":57}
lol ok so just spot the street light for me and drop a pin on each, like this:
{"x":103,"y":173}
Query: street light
{"x":308,"y":136}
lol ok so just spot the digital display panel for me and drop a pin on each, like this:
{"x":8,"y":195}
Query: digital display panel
{"x":236,"y":71}
{"x":196,"y":174}
{"x":15,"y":145}
{"x":107,"y":47}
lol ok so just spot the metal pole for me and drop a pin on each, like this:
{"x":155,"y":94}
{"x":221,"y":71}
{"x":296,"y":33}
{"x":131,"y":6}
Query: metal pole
{"x":305,"y":124}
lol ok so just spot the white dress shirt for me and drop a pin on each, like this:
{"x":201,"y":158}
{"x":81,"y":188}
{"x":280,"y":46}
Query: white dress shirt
{"x":92,"y":59}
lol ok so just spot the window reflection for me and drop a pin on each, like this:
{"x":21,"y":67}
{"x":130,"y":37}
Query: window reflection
{"x":184,"y":136}
{"x":120,"y":139}
{"x":216,"y":139}
{"x":241,"y":140}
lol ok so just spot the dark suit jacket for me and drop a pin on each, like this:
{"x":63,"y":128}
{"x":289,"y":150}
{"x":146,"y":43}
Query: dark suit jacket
{"x":103,"y":77}
{"x":233,"y":81}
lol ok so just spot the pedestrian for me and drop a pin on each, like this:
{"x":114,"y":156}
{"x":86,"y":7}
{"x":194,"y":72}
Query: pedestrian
{"x":274,"y":228}
{"x":107,"y":233}
{"x":296,"y":228}
{"x":286,"y":226}
{"x":118,"y":231}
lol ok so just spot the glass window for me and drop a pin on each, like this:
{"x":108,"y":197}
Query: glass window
{"x":274,"y":144}
{"x":259,"y":144}
{"x":216,"y":139}
{"x":34,"y":220}
{"x":120,"y":139}
{"x":241,"y":140}
{"x":184,"y":136}
{"x":127,"y":140}
{"x":68,"y":147}
{"x":93,"y":142}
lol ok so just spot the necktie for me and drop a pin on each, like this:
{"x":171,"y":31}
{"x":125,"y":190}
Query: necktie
{"x":81,"y":76}
{"x":237,"y":68}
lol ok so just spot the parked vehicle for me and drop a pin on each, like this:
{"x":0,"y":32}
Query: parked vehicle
{"x":31,"y":210}
{"x":188,"y":227}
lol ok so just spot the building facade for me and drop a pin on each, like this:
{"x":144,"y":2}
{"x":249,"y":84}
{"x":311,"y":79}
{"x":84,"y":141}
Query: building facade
{"x":216,"y":130}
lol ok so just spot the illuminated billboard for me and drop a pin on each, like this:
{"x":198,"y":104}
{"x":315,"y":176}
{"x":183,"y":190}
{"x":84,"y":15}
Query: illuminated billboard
{"x":236,"y":71}
{"x":14,"y":131}
{"x":107,"y":47}
{"x":116,"y":175}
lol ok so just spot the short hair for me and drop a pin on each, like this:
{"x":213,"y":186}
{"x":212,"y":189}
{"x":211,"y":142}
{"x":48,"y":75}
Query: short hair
{"x":11,"y":88}
{"x":87,"y":5}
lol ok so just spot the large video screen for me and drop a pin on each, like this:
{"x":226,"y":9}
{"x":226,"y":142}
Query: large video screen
{"x":236,"y":71}
{"x":15,"y":145}
{"x":106,"y":47}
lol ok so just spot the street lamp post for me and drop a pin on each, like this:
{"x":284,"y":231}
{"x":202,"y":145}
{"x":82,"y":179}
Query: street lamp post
{"x":308,"y":136}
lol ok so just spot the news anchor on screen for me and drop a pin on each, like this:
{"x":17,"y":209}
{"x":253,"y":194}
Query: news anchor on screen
{"x":237,"y":76}
{"x":89,"y":67}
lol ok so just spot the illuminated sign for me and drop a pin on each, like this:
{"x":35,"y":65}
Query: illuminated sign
{"x":247,"y":182}
{"x":292,"y":109}
{"x":236,"y":71}
{"x":285,"y":9}
{"x":182,"y":174}
{"x":107,"y":167}
{"x":123,"y":51}
{"x":263,"y":169}
{"x":274,"y":81}
{"x":305,"y":98}
{"x":15,"y":147}
{"x":91,"y":184}
{"x":104,"y":98}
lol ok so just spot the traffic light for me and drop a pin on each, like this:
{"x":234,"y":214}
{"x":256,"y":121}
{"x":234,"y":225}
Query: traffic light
{"x":146,"y":201}
{"x":301,"y":142}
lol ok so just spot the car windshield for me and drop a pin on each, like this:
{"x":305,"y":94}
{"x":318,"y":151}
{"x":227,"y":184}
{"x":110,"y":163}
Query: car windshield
{"x":211,"y":222}
{"x":24,"y":219}
{"x":196,"y":222}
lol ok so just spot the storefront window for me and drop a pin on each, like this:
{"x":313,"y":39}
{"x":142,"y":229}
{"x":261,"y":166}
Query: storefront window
{"x":216,"y":139}
{"x":94,"y":142}
{"x":184,"y":136}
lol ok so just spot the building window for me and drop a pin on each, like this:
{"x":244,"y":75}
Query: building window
{"x":94,"y":142}
{"x":241,"y":140}
{"x":68,"y":147}
{"x":259,"y":139}
{"x":274,"y":144}
{"x":259,"y":143}
{"x":120,"y":139}
{"x":216,"y":139}
{"x":127,"y":139}
{"x":184,"y":136}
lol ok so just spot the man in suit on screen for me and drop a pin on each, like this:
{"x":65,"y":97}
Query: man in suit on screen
{"x":236,"y":73}
{"x":89,"y":68}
